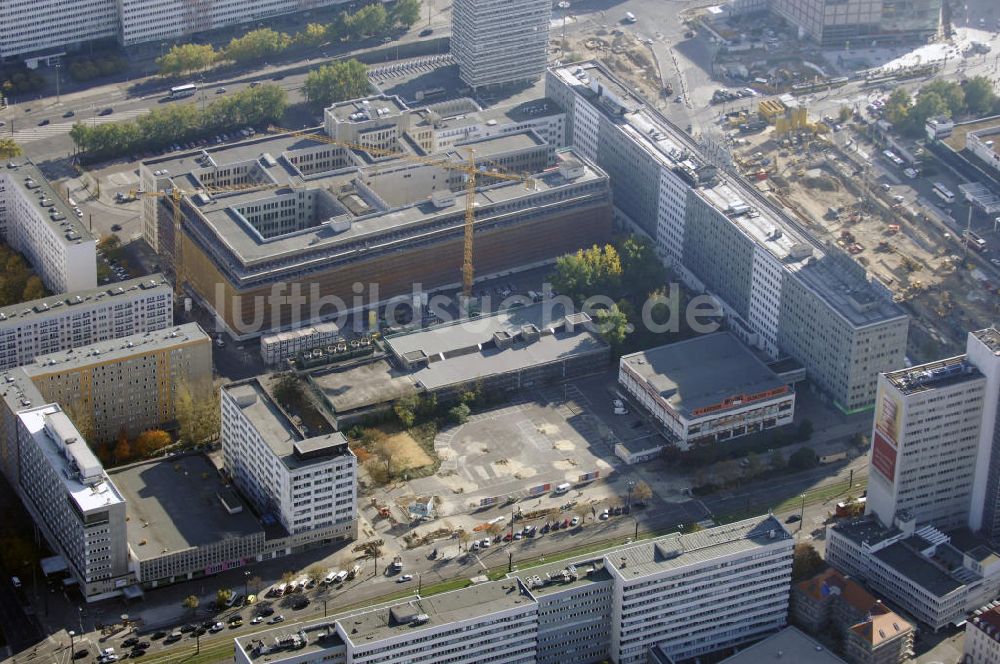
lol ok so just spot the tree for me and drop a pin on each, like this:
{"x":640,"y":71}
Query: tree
{"x":405,"y":409}
{"x":33,"y":289}
{"x":316,"y":572}
{"x":951,"y":93}
{"x":806,"y":562}
{"x":385,"y":453}
{"x":222,"y":596}
{"x":845,"y":113}
{"x":286,"y":577}
{"x":197,"y":411}
{"x":191,"y":603}
{"x":777,"y":460}
{"x":613,"y":326}
{"x":314,"y":35}
{"x":122,"y":448}
{"x":405,"y":13}
{"x":593,"y":271}
{"x":288,"y":391}
{"x":803,"y":458}
{"x":336,"y":82}
{"x":184,"y":58}
{"x":369,"y":20}
{"x":928,"y":105}
{"x":754,"y":465}
{"x":372,"y":550}
{"x":641,"y":492}
{"x":151,"y":441}
{"x":82,"y":418}
{"x":459,"y":414}
{"x":979,"y":95}
{"x":898,"y":106}
{"x":257,"y":45}
{"x":9,"y":149}
{"x":642,"y":270}
{"x":805,"y":429}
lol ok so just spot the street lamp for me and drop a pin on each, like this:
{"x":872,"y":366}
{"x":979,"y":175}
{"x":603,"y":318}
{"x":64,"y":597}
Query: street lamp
{"x":72,"y":636}
{"x":246,"y":584}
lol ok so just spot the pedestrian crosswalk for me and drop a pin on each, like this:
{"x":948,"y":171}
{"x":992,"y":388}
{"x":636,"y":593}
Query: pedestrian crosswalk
{"x":404,"y":68}
{"x":35,"y":133}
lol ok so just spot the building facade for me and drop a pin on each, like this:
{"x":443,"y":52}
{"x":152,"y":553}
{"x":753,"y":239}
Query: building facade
{"x":308,"y":484}
{"x":37,"y":223}
{"x":276,"y":348}
{"x":73,"y":502}
{"x":128,"y":384}
{"x":500,"y":43}
{"x":982,"y":636}
{"x":80,"y":318}
{"x":687,"y":595}
{"x":780,"y":292}
{"x":51,"y":27}
{"x":841,"y":23}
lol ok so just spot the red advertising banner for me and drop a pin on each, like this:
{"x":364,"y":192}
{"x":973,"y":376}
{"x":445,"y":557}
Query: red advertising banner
{"x":884,"y":457}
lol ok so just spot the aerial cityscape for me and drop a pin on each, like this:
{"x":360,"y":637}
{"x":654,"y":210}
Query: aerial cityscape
{"x":690,"y":356}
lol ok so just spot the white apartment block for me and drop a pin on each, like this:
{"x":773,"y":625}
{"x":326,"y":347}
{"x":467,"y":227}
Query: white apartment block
{"x":35,"y":221}
{"x":706,"y":389}
{"x":687,"y":595}
{"x":62,"y":322}
{"x":275,"y":348}
{"x":779,"y":290}
{"x":500,"y":42}
{"x":72,"y":500}
{"x":129,"y":383}
{"x":308,"y":484}
{"x":982,"y":636}
{"x":51,"y":27}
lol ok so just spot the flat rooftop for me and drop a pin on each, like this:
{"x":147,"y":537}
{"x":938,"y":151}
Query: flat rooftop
{"x":362,"y":385}
{"x":705,"y":370}
{"x":286,"y":440}
{"x":367,"y":108}
{"x":989,"y":337}
{"x":26,"y":311}
{"x":30,"y":180}
{"x":934,"y":375}
{"x":957,"y":139}
{"x":83,"y":477}
{"x":866,"y":530}
{"x":788,"y":645}
{"x":179,"y":503}
{"x":918,"y":569}
{"x":676,"y":551}
{"x":115,"y":350}
{"x":490,"y":345}
{"x":839,"y":280}
{"x":358,"y":217}
{"x":558,"y":577}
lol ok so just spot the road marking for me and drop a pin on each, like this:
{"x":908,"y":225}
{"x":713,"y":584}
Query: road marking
{"x":55,"y":129}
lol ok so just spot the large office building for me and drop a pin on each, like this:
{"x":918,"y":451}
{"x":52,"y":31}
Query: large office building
{"x":128,"y":384}
{"x":79,"y":318}
{"x":72,"y":500}
{"x":308,"y":484}
{"x":35,"y":221}
{"x":707,"y":389}
{"x":934,"y":449}
{"x":498,"y":43}
{"x":314,"y":230}
{"x":684,"y":595}
{"x":52,"y":27}
{"x":780,"y":291}
{"x":843,"y":23}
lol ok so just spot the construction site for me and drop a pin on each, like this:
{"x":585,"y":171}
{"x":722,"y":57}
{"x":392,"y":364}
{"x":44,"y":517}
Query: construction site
{"x":831,"y":190}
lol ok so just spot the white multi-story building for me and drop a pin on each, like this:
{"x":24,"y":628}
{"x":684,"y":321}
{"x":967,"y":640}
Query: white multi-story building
{"x":275,"y":348}
{"x":37,"y":223}
{"x":982,"y":636}
{"x":707,"y":389}
{"x":685,"y":595}
{"x":72,"y":500}
{"x":497,"y":43}
{"x":308,"y":484}
{"x":62,"y":322}
{"x":780,"y":291}
{"x":51,"y":27}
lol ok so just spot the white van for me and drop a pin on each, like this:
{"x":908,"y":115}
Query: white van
{"x":280,"y":589}
{"x":630,"y":17}
{"x":339,"y":578}
{"x":328,"y":579}
{"x":563,"y":488}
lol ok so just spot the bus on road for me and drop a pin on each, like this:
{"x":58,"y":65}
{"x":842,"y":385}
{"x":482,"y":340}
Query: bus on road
{"x":944,"y":193}
{"x":974,"y":241}
{"x":181,"y":91}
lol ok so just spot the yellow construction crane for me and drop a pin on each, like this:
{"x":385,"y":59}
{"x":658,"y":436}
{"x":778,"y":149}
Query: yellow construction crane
{"x":469,"y":168}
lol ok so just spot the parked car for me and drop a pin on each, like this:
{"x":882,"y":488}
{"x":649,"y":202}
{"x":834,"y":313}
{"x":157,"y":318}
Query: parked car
{"x":69,"y":114}
{"x":42,"y":123}
{"x":277,"y":619}
{"x":405,"y":578}
{"x":426,"y":31}
{"x":575,"y":521}
{"x":793,"y":518}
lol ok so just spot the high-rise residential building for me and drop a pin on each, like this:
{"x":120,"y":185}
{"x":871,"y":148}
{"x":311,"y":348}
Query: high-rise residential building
{"x":500,"y":42}
{"x":308,"y":484}
{"x":79,"y":318}
{"x":935,"y":449}
{"x":682,"y":595}
{"x":860,"y":22}
{"x":780,"y":290}
{"x":35,"y":221}
{"x":51,"y":27}
{"x":128,"y":384}
{"x":72,"y":500}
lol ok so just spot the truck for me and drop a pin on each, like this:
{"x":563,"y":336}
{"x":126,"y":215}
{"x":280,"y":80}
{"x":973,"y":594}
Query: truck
{"x":630,"y":17}
{"x":397,"y":564}
{"x":974,"y":241}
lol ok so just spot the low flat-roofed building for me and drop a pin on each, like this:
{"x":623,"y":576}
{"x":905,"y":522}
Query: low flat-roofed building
{"x":789,"y":645}
{"x":129,"y":383}
{"x":275,"y":348}
{"x":184,"y":521}
{"x":707,"y":389}
{"x":308,"y":484}
{"x":82,"y":317}
{"x":35,"y":221}
{"x":292,"y":224}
